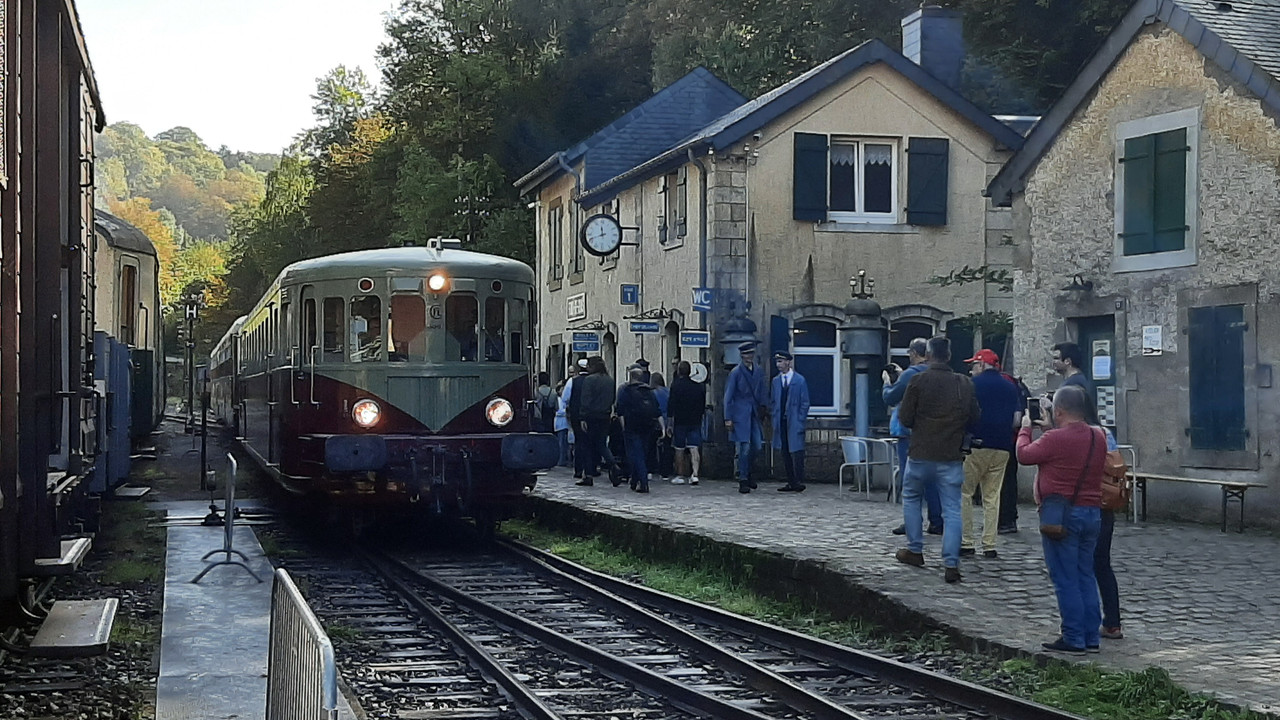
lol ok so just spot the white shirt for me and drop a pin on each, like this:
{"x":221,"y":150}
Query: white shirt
{"x":786,"y":377}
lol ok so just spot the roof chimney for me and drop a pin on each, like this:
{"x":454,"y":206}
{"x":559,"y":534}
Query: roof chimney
{"x":933,"y":38}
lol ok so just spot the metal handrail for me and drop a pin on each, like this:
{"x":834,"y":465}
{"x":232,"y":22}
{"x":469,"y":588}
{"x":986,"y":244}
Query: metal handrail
{"x":302,"y":676}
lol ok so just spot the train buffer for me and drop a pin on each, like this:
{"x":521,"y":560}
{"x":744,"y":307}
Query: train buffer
{"x":75,"y":628}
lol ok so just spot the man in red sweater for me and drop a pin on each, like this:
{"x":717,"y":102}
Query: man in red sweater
{"x":1070,"y":458}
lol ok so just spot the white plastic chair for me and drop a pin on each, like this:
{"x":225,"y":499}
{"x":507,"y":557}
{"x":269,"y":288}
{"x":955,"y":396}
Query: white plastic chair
{"x":863,"y":455}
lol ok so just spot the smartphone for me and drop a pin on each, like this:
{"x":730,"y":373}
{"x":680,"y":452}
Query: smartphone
{"x":1033,"y":409}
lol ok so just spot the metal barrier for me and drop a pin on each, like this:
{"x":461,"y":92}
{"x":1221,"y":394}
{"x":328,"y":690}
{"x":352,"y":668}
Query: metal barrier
{"x":302,"y":677}
{"x":229,"y":526}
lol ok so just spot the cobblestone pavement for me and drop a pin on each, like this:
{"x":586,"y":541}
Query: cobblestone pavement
{"x":1197,"y":602}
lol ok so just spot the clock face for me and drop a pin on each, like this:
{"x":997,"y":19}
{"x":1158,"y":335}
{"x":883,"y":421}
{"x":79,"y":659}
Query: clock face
{"x":698,"y":372}
{"x":601,"y":235}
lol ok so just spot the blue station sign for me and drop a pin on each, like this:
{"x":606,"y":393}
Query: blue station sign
{"x":586,"y":342}
{"x":645,"y":327}
{"x":629,"y":294}
{"x":695,"y":339}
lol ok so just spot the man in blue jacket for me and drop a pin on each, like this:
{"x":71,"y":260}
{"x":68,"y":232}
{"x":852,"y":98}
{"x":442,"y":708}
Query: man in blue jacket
{"x":789,"y":406}
{"x":892,"y":393}
{"x":744,"y":398}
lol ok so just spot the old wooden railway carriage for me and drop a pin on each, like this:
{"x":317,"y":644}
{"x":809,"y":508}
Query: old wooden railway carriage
{"x":389,"y":377}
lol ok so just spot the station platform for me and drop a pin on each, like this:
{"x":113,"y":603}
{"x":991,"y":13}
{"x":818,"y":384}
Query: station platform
{"x":1197,"y":602}
{"x":214,"y":641}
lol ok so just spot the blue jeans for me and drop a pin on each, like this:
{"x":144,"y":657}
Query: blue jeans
{"x":637,"y":446}
{"x":1070,"y":562}
{"x":563,"y":437}
{"x":931,"y":499}
{"x":1107,"y":585}
{"x":747,"y":451}
{"x":947,"y":477}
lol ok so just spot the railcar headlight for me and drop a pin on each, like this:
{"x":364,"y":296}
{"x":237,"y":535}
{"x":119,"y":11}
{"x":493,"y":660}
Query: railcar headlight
{"x":366,"y":413}
{"x":499,"y":412}
{"x":437,"y":282}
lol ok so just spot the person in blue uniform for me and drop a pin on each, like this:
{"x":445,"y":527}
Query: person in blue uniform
{"x":789,"y":408}
{"x":745,"y":397}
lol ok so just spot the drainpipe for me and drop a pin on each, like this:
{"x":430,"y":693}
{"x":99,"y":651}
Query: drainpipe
{"x":702,"y":230}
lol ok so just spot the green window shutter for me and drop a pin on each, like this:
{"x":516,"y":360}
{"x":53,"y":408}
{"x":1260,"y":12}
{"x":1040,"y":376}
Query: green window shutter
{"x":1139,"y":195}
{"x":927,"y":167}
{"x":1170,"y":181}
{"x":809,"y":180}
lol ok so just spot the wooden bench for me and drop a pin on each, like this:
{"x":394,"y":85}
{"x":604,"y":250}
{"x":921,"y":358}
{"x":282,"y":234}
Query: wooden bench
{"x":1231,"y":490}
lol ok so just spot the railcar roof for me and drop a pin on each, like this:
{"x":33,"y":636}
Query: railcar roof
{"x":406,"y":261}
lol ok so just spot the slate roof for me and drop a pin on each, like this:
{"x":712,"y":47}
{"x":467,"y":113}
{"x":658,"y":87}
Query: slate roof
{"x":121,"y":234}
{"x":1242,"y":37}
{"x":654,"y":125}
{"x":749,"y":117}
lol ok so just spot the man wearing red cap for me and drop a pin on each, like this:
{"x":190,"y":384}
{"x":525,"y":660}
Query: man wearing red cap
{"x":1001,"y":405}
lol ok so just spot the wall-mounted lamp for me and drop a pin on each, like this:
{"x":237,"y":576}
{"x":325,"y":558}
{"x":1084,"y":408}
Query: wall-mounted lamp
{"x":1079,"y":284}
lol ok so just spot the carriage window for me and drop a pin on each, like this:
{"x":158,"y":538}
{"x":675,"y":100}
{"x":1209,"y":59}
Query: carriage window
{"x":365,"y":332}
{"x":285,"y":346}
{"x":460,"y":316}
{"x":408,"y":328}
{"x":518,"y":318}
{"x":308,"y":327}
{"x":128,"y":299}
{"x":333,"y":324}
{"x":495,"y":313}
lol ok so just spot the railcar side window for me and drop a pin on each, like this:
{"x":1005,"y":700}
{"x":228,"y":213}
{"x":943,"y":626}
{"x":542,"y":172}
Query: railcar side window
{"x":495,"y":312}
{"x":308,"y":328}
{"x":461,"y":316}
{"x":518,"y":316}
{"x":366,"y":329}
{"x":408,"y":328}
{"x":333,"y":324}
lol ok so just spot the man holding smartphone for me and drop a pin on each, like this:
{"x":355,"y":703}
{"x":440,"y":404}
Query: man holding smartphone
{"x":984,"y":467}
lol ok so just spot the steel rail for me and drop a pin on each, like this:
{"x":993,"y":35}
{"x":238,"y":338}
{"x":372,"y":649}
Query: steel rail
{"x":524,"y":698}
{"x":965,"y":694}
{"x":757,"y":676}
{"x":682,"y":696}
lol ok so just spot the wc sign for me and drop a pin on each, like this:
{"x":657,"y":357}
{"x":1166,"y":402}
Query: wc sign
{"x":702,"y":299}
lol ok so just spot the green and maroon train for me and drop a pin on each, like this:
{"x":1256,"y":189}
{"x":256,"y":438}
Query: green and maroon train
{"x":391,"y":378}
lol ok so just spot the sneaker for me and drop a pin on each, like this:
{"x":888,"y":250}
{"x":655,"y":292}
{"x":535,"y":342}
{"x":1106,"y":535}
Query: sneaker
{"x":1092,"y":648}
{"x":1061,"y":646}
{"x":952,"y":575}
{"x":693,"y":480}
{"x":967,"y":552}
{"x":744,"y":488}
{"x":906,"y":557}
{"x":1112,"y":633}
{"x":678,"y":480}
{"x":990,"y":554}
{"x":900,"y":530}
{"x":585,"y":482}
{"x":934,"y":530}
{"x":1007,"y":529}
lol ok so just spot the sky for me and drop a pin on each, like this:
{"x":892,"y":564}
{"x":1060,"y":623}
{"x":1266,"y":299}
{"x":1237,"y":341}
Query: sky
{"x":239,"y":73}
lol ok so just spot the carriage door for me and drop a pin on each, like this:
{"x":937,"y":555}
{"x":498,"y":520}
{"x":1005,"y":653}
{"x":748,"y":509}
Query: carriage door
{"x":304,"y":377}
{"x":1097,"y":339}
{"x":273,"y":390}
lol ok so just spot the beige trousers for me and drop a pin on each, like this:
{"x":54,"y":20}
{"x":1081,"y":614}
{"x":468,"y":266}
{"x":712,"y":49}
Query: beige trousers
{"x":984,"y":469}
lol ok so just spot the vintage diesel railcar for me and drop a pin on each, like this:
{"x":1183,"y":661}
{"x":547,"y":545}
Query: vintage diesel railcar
{"x":390,"y":378}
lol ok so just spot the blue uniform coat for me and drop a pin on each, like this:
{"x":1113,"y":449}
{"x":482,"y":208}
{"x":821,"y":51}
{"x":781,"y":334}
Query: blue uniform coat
{"x":797,"y":411}
{"x":744,"y":395}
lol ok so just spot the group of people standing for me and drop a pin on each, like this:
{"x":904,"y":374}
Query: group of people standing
{"x":960,"y":435}
{"x":633,"y":433}
{"x":750,"y":399}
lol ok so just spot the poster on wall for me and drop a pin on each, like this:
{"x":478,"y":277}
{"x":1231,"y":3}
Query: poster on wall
{"x":1152,"y":340}
{"x":1101,"y":357}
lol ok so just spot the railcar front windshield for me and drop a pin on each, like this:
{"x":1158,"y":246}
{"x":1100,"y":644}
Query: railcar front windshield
{"x":365,"y":337}
{"x":408,"y":332}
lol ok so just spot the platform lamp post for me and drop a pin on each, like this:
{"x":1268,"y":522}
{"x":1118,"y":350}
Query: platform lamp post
{"x":863,"y":340}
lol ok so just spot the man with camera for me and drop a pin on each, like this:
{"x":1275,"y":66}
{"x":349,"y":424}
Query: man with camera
{"x":938,"y":406}
{"x":895,"y":386}
{"x":984,"y":468}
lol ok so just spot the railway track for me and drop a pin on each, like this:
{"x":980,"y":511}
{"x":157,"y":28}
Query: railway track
{"x":518,"y":633}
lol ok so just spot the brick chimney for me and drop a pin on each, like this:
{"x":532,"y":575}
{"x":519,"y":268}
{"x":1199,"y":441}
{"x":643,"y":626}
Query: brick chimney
{"x":933,"y":38}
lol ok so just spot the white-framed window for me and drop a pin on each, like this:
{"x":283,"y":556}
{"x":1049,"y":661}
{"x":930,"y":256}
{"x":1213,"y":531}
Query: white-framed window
{"x":1156,"y":199}
{"x":862,"y":180}
{"x":902,"y":332}
{"x":816,"y":348}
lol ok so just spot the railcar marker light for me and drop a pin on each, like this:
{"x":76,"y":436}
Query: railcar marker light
{"x":366,"y":413}
{"x":499,"y":412}
{"x":437,"y":282}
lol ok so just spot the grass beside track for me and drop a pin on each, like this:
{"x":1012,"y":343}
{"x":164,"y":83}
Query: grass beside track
{"x":1082,"y":688}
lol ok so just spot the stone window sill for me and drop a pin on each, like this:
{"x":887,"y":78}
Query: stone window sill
{"x":873,"y":228}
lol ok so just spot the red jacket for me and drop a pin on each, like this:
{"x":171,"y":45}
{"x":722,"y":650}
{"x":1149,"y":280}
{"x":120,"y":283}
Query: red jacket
{"x":1060,"y":453}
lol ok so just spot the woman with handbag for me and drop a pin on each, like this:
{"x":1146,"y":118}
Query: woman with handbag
{"x":1068,"y":489}
{"x":1115,"y":498}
